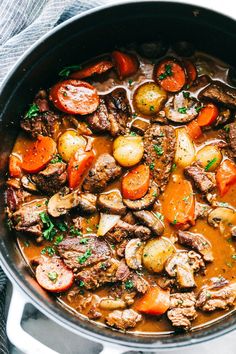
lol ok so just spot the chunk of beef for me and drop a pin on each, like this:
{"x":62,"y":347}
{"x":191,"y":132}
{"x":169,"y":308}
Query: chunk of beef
{"x":182,"y":310}
{"x":232,"y":137}
{"x":151,"y":221}
{"x":111,"y":203}
{"x":204,"y":181}
{"x":112,"y":114}
{"x":136,"y":282}
{"x":14,"y":199}
{"x":123,"y":319}
{"x":123,"y":271}
{"x":223,"y":117}
{"x":120,"y":248}
{"x":123,"y":230}
{"x":27,"y":217}
{"x":46,"y":123}
{"x":220,"y":93}
{"x":159,"y":151}
{"x":104,"y":171}
{"x":99,"y":274}
{"x":201,"y":210}
{"x":182,"y":266}
{"x":78,"y":253}
{"x":129,"y":218}
{"x":144,"y":203}
{"x":219,"y":295}
{"x":52,"y":178}
{"x":198,"y":242}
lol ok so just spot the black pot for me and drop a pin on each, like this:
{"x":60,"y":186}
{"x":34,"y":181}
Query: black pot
{"x":76,"y":40}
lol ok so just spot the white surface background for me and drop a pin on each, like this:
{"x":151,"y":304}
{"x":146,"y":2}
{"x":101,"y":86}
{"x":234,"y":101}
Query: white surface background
{"x":68,"y":343}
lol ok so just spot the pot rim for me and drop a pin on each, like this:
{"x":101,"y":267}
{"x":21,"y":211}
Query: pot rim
{"x":114,"y":337}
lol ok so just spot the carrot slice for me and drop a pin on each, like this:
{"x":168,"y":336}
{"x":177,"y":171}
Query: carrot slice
{"x":38,"y":154}
{"x":226,"y":176}
{"x":156,"y":301}
{"x":207,"y":115}
{"x":14,"y":166}
{"x":126,"y":64}
{"x":193,"y":129}
{"x":136,"y":183}
{"x":170,"y":75}
{"x":78,"y":165}
{"x":74,"y":97}
{"x":191,"y":71}
{"x":54,"y":276}
{"x":178,"y":201}
{"x":93,"y":69}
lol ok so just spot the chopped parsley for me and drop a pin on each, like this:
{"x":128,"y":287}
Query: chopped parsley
{"x":84,"y":241}
{"x":49,"y":250}
{"x":82,"y":259}
{"x":65,"y":72}
{"x":33,"y":111}
{"x":223,"y":204}
{"x":81,"y":283}
{"x":56,"y":158}
{"x":182,"y":110}
{"x":167,"y":72}
{"x":158,"y":149}
{"x":210,"y":164}
{"x":173,"y":167}
{"x":103,"y":266}
{"x":159,"y":216}
{"x":152,"y":166}
{"x":154,"y":194}
{"x":49,"y":231}
{"x":62,"y":226}
{"x":152,"y":108}
{"x":88,"y":229}
{"x":226,"y":128}
{"x":75,"y":232}
{"x":198,"y":109}
{"x":174,"y":222}
{"x":130,"y":82}
{"x":58,"y":240}
{"x":134,"y":115}
{"x":186,"y":94}
{"x":129,"y":285}
{"x":26,"y":243}
{"x":132,"y":134}
{"x":53,"y":276}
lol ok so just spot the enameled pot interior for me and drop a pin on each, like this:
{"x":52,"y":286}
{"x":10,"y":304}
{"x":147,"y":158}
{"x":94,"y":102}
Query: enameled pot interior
{"x":80,"y":39}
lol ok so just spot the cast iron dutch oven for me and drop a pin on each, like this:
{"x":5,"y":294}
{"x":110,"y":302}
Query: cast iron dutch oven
{"x":80,"y":38}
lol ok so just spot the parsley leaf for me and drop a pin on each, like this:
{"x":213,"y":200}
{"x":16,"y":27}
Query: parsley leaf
{"x":49,"y":250}
{"x":133,"y":134}
{"x":158,"y":149}
{"x":65,"y":72}
{"x":129,"y":285}
{"x":56,"y":158}
{"x":75,"y":232}
{"x":33,"y":111}
{"x":82,"y":259}
{"x":182,"y":110}
{"x":186,"y":94}
{"x":159,"y":216}
{"x":58,"y":240}
{"x":50,"y":231}
{"x":152,"y":166}
{"x":210,"y":164}
{"x":84,"y":241}
{"x":167,"y":72}
{"x":52,"y":276}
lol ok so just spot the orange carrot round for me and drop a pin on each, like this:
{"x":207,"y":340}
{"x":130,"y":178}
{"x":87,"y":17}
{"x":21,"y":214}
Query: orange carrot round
{"x":178,"y":201}
{"x":78,"y":165}
{"x":170,"y":75}
{"x":226,"y":176}
{"x":126,"y":64}
{"x":136,"y":183}
{"x":38,"y":154}
{"x":93,"y":69}
{"x":156,"y":301}
{"x":193,"y":129}
{"x":207,"y":115}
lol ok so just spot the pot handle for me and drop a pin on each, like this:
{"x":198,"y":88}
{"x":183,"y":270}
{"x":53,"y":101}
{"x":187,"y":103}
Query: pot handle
{"x":16,"y":334}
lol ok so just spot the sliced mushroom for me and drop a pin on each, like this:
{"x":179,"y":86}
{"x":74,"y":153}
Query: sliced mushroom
{"x":111,"y":203}
{"x":181,"y":108}
{"x":63,"y":201}
{"x":224,"y":218}
{"x":112,"y":304}
{"x":151,"y":221}
{"x":133,"y":253}
{"x":28,"y":184}
{"x":147,"y":201}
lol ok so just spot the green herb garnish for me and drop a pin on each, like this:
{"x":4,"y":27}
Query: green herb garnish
{"x":81,"y":283}
{"x":159,"y":216}
{"x":62,"y":226}
{"x":82,"y":259}
{"x":50,"y":250}
{"x":75,"y":232}
{"x":210,"y":164}
{"x":152,"y":108}
{"x":158,"y":149}
{"x":88,"y":229}
{"x":198,"y":109}
{"x":56,"y":158}
{"x":58,"y":240}
{"x":84,"y":241}
{"x":53,"y":276}
{"x":173,"y":167}
{"x":186,"y":94}
{"x":26,"y":243}
{"x":168,"y":72}
{"x":152,"y":166}
{"x":65,"y":72}
{"x":50,"y":231}
{"x":129,"y":285}
{"x":133,"y":134}
{"x":33,"y":111}
{"x":130,"y":82}
{"x":234,"y":257}
{"x":182,"y":110}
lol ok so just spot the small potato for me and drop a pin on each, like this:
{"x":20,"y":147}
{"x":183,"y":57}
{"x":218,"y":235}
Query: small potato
{"x":155,"y":254}
{"x":185,"y":151}
{"x":128,"y":150}
{"x":68,"y":143}
{"x":149,"y":98}
{"x":210,"y":157}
